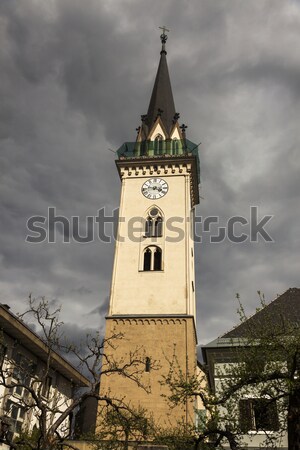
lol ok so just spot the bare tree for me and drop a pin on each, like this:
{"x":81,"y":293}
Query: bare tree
{"x":30,"y":386}
{"x":258,"y":378}
{"x":122,"y":426}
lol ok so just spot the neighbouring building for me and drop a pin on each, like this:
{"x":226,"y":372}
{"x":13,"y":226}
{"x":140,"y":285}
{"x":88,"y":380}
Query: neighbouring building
{"x":152,"y":299}
{"x":24,"y":358}
{"x":261,"y":409}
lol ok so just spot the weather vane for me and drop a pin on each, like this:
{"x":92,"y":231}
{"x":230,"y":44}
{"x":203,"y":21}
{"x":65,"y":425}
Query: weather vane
{"x":163,"y":36}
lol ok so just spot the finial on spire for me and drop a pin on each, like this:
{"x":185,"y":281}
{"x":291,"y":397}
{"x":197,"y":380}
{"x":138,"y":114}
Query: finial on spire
{"x":183,"y":127}
{"x":163,"y":38}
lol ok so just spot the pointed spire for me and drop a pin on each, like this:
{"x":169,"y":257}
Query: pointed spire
{"x":162,"y":102}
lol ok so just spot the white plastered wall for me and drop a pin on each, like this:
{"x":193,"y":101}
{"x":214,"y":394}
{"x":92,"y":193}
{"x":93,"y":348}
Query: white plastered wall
{"x":168,"y":291}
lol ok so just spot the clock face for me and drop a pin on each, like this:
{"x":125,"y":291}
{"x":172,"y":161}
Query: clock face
{"x":155,"y":188}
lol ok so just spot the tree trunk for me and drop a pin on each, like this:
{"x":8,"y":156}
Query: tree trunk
{"x":294,"y":420}
{"x":126,"y":441}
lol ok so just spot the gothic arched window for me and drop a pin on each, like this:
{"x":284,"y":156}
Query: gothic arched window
{"x":148,"y":227}
{"x":154,"y":223}
{"x":175,"y":146}
{"x":157,"y":259}
{"x":152,"y":259}
{"x":158,"y":226}
{"x":147,"y":259}
{"x":158,"y":144}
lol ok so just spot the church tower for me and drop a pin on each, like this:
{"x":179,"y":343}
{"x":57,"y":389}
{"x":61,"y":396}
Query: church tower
{"x":152,"y":300}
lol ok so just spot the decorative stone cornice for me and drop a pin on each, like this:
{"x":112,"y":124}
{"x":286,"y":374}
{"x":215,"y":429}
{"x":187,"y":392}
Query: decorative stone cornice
{"x":150,"y":321}
{"x":154,"y":320}
{"x":164,"y":165}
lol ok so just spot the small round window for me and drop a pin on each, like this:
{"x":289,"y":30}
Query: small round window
{"x":153,"y":212}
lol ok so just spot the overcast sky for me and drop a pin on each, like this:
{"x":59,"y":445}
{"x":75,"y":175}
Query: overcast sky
{"x":75,"y":76}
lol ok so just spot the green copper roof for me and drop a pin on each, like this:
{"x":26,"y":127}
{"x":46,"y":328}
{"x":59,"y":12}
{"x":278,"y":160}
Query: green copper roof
{"x":167,"y":148}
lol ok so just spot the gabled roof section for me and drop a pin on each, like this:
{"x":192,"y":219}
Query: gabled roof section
{"x":284,"y":310}
{"x":158,"y":128}
{"x":162,"y":102}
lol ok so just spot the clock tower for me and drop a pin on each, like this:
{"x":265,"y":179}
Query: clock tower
{"x":152,"y":299}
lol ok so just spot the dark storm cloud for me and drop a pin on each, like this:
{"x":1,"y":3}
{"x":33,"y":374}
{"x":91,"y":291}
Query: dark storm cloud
{"x":75,"y":77}
{"x":82,"y":290}
{"x":102,"y":310}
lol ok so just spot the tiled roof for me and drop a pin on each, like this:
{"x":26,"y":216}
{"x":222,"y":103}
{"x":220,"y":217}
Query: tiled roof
{"x":162,"y":97}
{"x":284,"y":309}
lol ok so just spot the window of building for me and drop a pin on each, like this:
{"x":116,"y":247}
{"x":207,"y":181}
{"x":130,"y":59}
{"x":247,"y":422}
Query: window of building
{"x":152,"y":258}
{"x":46,"y":387}
{"x":158,"y":227}
{"x":158,"y":144}
{"x":175,"y":146}
{"x":260,"y":364}
{"x":147,"y":259}
{"x":154,"y":223}
{"x":200,"y":419}
{"x":17,"y":414}
{"x":148,"y":227}
{"x":258,"y":414}
{"x":3,"y":351}
{"x":157,"y":259}
{"x":22,"y":372}
{"x":147,"y":364}
{"x":143,"y":149}
{"x":17,"y":358}
{"x":18,"y":390}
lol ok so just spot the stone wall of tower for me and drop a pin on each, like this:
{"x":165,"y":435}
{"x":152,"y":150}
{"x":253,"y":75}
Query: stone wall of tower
{"x":171,"y":290}
{"x":164,"y":340}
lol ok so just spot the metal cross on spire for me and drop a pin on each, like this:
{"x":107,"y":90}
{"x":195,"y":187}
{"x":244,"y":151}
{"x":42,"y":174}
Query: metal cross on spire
{"x":164,"y":37}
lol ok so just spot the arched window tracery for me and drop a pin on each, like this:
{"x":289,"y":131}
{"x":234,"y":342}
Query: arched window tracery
{"x":152,"y":258}
{"x":154,"y":223}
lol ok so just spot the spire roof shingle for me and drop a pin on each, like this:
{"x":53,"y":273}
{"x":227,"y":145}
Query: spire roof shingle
{"x":162,"y":102}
